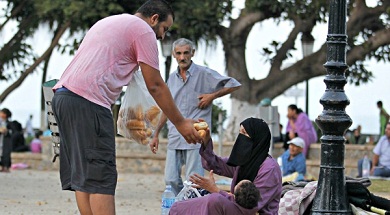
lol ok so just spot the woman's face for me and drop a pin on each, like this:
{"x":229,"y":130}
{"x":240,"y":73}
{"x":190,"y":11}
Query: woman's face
{"x":290,"y":113}
{"x":243,"y":131}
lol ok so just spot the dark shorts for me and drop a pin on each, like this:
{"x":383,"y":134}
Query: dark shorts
{"x":87,"y":147}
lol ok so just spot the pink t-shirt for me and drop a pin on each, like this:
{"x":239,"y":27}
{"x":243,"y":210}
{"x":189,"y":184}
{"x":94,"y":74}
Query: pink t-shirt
{"x":108,"y":56}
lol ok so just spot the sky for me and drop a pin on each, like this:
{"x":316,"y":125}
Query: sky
{"x":362,"y":109}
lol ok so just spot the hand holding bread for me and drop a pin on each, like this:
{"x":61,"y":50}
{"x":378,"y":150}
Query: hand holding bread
{"x":201,"y":128}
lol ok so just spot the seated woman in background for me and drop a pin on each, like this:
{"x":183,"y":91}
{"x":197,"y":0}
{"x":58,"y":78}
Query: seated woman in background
{"x":248,"y":160}
{"x":299,"y":125}
{"x":36,"y":143}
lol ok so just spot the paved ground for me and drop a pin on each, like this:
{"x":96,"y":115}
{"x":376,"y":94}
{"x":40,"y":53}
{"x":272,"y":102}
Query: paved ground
{"x":32,"y":192}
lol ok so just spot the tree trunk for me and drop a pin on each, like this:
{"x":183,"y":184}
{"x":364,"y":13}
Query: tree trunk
{"x":240,"y":110}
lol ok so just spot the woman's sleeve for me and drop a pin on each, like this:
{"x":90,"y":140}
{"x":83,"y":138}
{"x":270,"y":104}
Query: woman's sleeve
{"x":269,"y":183}
{"x":210,"y":161}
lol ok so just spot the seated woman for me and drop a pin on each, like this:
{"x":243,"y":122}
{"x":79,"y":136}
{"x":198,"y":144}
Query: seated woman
{"x":248,"y":160}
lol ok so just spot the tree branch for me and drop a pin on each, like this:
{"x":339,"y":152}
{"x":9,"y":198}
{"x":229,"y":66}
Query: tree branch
{"x":14,"y":12}
{"x":44,"y":56}
{"x":246,"y":21}
{"x":359,"y":53}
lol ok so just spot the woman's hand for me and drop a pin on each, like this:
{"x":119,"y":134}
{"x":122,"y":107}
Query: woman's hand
{"x":205,"y":183}
{"x":207,"y":137}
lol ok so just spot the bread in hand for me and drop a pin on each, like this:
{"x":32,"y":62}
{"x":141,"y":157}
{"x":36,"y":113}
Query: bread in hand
{"x":202,"y":133}
{"x":201,"y":126}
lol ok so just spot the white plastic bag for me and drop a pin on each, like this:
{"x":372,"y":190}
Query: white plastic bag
{"x":189,"y":192}
{"x":139,"y":114}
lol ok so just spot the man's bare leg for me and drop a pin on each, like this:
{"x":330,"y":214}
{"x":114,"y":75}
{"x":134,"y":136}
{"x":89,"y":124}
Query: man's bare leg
{"x":83,"y":203}
{"x":102,"y":204}
{"x":95,"y":204}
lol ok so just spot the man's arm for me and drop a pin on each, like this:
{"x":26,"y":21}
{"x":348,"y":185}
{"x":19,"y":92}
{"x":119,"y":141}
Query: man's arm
{"x":161,"y":94}
{"x":206,"y":99}
{"x":155,"y":142}
{"x":375,"y":162}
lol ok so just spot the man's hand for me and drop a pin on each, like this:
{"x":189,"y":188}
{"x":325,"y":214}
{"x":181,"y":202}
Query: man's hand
{"x":153,"y":144}
{"x":205,"y":100}
{"x":205,"y":183}
{"x":187,"y":130}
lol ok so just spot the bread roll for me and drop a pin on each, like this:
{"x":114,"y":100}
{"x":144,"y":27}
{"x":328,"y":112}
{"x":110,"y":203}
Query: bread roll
{"x":152,"y":113}
{"x":202,"y":133}
{"x":134,"y":124}
{"x":148,"y":132}
{"x":138,"y":135}
{"x":201,"y":126}
{"x":139,"y":112}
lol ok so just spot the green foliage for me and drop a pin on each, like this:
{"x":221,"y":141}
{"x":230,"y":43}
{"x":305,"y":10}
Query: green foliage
{"x":200,"y":19}
{"x":357,"y":74}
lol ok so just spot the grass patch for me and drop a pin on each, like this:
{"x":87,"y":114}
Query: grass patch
{"x":379,"y":186}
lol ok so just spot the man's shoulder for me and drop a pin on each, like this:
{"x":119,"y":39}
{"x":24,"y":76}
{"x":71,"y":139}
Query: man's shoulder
{"x":202,"y":68}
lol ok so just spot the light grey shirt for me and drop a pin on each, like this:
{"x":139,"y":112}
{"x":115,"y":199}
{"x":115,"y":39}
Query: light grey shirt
{"x":200,"y":80}
{"x":382,"y":148}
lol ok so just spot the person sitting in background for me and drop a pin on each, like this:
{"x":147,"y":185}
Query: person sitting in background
{"x":293,"y":160}
{"x":36,"y":143}
{"x":380,"y":165}
{"x":356,"y":137}
{"x":299,"y":125}
{"x":17,"y":137}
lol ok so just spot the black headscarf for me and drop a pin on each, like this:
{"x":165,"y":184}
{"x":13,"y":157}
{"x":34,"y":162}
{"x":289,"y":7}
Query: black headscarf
{"x":250,"y":153}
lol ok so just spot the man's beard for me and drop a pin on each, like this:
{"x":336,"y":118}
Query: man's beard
{"x":155,"y":29}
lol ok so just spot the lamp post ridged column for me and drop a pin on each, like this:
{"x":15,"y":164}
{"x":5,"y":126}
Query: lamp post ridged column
{"x":331,"y":196}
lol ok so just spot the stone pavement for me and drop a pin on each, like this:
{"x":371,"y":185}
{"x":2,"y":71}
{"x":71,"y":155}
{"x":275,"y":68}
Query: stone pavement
{"x":33,"y":192}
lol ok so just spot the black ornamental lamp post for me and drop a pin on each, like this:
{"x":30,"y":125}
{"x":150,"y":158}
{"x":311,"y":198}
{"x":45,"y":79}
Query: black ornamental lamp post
{"x":331,"y":196}
{"x":307,"y":49}
{"x":166,"y":49}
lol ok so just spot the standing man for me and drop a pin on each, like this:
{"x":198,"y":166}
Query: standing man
{"x":383,"y":117}
{"x":29,"y":130}
{"x":193,"y":88}
{"x":110,"y":53}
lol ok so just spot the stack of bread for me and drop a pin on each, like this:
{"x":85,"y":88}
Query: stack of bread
{"x":137,"y":124}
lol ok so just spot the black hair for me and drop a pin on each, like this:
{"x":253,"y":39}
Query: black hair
{"x":294,"y":107}
{"x":160,"y":7}
{"x":7,"y":112}
{"x":379,"y":103}
{"x":247,"y":195}
{"x":38,"y":134}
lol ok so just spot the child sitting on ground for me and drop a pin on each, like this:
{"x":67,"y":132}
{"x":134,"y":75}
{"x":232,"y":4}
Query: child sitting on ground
{"x":246,"y":194}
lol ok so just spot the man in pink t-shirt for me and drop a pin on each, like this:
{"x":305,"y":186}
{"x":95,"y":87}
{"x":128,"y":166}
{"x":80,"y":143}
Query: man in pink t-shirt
{"x":108,"y":56}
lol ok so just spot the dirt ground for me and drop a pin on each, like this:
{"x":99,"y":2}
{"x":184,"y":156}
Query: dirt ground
{"x":33,"y":192}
